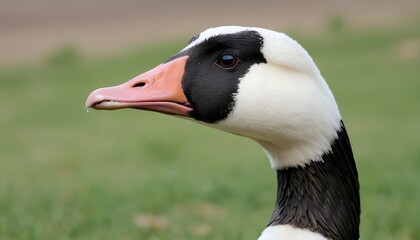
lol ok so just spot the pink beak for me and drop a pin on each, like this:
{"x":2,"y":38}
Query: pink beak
{"x":159,"y":89}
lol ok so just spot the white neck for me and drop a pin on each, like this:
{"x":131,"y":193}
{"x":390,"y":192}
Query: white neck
{"x":287,"y":232}
{"x":295,"y":153}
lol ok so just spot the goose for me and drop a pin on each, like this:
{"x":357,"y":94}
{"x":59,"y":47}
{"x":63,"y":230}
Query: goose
{"x":261,"y":84}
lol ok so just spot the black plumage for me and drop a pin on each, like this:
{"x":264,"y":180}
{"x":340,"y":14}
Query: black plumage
{"x":322,"y":196}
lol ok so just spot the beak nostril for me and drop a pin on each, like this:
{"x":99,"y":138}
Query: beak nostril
{"x":140,"y":84}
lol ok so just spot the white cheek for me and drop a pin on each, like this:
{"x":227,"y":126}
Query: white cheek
{"x":292,"y":115}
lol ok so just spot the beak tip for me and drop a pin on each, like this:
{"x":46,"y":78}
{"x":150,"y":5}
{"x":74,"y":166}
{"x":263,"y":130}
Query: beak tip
{"x":89,"y":103}
{"x":93,"y":98}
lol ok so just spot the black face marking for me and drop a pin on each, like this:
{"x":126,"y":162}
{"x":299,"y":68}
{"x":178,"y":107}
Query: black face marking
{"x":210,"y":88}
{"x":322,"y":196}
{"x":194,"y":38}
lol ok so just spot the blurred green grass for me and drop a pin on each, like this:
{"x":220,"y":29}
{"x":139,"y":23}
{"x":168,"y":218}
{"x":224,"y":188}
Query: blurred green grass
{"x":68,"y":174}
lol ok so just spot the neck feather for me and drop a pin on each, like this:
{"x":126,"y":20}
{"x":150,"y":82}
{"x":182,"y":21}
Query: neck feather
{"x":322,"y":196}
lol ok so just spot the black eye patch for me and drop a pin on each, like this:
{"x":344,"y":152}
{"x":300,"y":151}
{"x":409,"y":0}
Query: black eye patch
{"x":194,"y":38}
{"x":213,"y":72}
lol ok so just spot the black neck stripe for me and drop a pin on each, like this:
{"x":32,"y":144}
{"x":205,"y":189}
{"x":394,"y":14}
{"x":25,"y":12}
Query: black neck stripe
{"x":322,"y":196}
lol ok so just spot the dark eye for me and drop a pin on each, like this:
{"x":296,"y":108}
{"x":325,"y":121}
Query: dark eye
{"x":227,"y":61}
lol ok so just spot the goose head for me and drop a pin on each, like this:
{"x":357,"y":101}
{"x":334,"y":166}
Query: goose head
{"x":248,"y":81}
{"x":252,"y":82}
